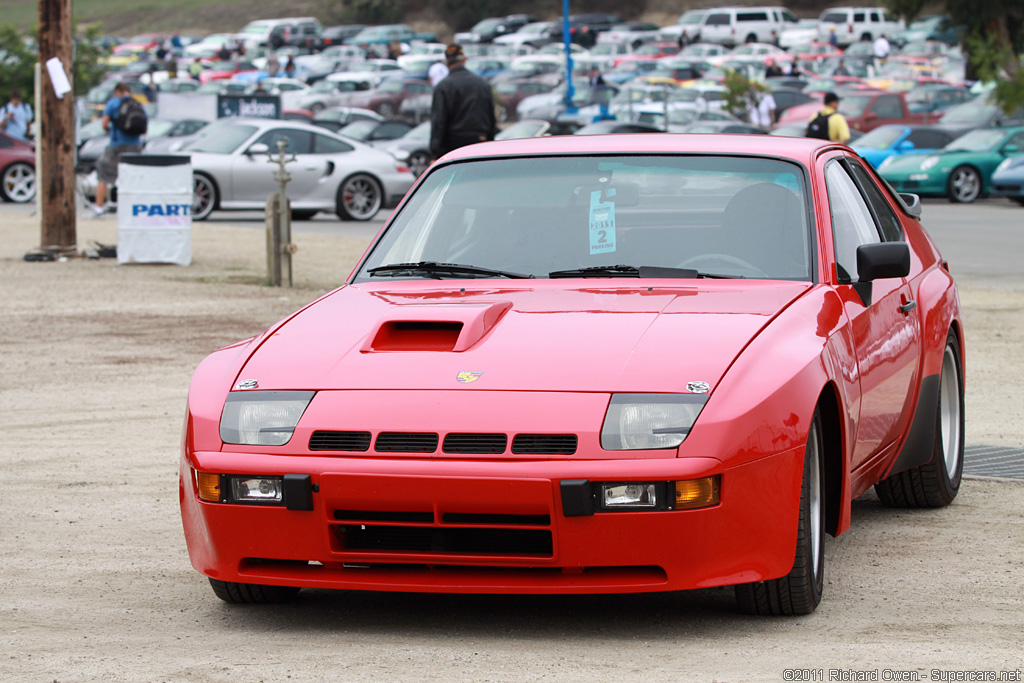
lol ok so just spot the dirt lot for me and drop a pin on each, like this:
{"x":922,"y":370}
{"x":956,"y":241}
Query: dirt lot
{"x":95,"y":582}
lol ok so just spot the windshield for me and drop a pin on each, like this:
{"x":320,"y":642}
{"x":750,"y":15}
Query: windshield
{"x":691,"y":17}
{"x":220,"y":138}
{"x":537,"y":215}
{"x":880,"y":138}
{"x":390,"y":87}
{"x":853,"y":105}
{"x":158,"y":127}
{"x":359,"y":130}
{"x":976,"y":113}
{"x":976,"y":141}
{"x":486,"y":25}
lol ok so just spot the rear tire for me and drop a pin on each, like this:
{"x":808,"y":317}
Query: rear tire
{"x":251,"y":593}
{"x":360,"y":197}
{"x":964,"y":185}
{"x":799,"y":592}
{"x":18,"y":183}
{"x":752,"y":38}
{"x":936,"y":483}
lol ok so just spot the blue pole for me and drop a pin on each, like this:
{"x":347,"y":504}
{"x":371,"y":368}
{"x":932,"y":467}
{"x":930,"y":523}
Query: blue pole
{"x":570,"y":108}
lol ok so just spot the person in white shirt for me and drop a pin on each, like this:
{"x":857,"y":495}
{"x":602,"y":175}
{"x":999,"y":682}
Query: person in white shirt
{"x":881,"y":50}
{"x":437,"y":72}
{"x":761,"y":109}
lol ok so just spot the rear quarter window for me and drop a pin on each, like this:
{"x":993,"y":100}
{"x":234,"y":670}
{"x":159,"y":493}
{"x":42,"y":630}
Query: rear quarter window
{"x":717,"y":20}
{"x":752,"y":16}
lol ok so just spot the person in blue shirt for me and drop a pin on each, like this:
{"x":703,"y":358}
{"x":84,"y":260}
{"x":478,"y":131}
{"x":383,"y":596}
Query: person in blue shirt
{"x":16,"y":117}
{"x":120,"y":143}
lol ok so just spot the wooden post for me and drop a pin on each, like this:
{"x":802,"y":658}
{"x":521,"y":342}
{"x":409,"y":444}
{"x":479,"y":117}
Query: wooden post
{"x":55,"y":132}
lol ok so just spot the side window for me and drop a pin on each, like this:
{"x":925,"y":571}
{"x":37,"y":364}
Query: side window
{"x":1016,"y":141}
{"x":852,"y":224}
{"x":299,"y":141}
{"x":892,"y":230}
{"x":888,"y":107}
{"x":858,"y":17}
{"x":875,"y":17}
{"x":325,"y":145}
{"x":927,"y":139}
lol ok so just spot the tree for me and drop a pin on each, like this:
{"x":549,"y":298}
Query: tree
{"x":994,"y":37}
{"x":19,"y":54}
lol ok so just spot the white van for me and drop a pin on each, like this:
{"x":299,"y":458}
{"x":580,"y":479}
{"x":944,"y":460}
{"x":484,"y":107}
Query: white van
{"x":276,"y":33}
{"x":731,"y":26}
{"x":853,"y":24}
{"x":688,"y":24}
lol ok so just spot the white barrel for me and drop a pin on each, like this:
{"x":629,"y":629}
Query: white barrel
{"x":154,"y":209}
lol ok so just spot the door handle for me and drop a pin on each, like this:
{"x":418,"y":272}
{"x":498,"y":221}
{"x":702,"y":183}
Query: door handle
{"x":908,"y":307}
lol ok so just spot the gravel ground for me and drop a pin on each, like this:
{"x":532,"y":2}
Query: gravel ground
{"x":95,"y":582}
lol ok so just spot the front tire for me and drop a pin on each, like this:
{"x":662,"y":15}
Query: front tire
{"x":418,"y":162}
{"x":359,"y":198}
{"x":964,"y":185}
{"x":251,"y":593}
{"x":799,"y":592}
{"x":204,"y":196}
{"x":18,"y":183}
{"x":936,"y":483}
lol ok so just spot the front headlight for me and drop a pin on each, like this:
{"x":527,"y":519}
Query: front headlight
{"x":929,"y":163}
{"x":263,"y":418}
{"x":400,"y":154}
{"x":1012,"y":162}
{"x":649,"y":421}
{"x":887,"y":162}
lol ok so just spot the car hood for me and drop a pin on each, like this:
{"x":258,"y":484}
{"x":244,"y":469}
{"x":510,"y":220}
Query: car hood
{"x":912,"y":162}
{"x":656,"y":337}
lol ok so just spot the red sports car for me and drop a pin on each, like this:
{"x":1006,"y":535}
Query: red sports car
{"x":17,"y":170}
{"x":603,"y":364}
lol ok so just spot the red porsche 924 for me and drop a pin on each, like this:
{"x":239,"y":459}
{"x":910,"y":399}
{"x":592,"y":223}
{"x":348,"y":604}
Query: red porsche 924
{"x":607,"y":364}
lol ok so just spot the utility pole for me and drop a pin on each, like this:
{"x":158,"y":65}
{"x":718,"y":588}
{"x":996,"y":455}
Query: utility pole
{"x":55,"y":132}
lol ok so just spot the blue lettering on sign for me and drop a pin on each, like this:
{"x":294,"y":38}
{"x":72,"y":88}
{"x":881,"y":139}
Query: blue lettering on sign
{"x":161,"y":209}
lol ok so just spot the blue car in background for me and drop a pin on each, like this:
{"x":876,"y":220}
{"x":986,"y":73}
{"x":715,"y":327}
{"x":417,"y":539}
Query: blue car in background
{"x":1008,"y":179}
{"x":894,"y":139}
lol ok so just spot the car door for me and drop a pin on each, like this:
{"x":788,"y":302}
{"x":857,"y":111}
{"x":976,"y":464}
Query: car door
{"x":252,"y":176}
{"x":884,"y":319}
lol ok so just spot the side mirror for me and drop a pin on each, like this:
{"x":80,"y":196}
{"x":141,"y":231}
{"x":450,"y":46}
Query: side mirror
{"x":258,"y":148}
{"x":912,"y":203}
{"x":870,"y":116}
{"x":1011,"y":149}
{"x":883,"y":260}
{"x":906,"y":145}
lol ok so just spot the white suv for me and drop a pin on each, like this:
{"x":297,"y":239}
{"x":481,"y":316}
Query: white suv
{"x":734,"y":25}
{"x":853,"y":24}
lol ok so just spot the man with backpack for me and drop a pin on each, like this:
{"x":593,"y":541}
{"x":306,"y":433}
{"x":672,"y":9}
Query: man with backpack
{"x":829,"y":124}
{"x":126,"y":120}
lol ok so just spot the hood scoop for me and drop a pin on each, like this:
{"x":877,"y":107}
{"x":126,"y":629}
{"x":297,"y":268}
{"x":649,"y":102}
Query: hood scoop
{"x":435,"y":327}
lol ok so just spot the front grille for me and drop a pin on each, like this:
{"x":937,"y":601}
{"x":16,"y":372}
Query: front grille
{"x":446,"y":540}
{"x":475,"y":443}
{"x":339,"y":441}
{"x":478,"y":518}
{"x":406,"y":442}
{"x":384,"y":516}
{"x":544,"y":444}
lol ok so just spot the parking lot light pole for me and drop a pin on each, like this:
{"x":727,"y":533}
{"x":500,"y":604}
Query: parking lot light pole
{"x":570,"y":106}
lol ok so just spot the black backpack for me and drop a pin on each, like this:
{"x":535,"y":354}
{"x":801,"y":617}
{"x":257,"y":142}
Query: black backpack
{"x":131,"y":117}
{"x":818,"y":127}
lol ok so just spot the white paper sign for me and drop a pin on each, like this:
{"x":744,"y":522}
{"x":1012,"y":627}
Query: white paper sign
{"x":61,"y":85}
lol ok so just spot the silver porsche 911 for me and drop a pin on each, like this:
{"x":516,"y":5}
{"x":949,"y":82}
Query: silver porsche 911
{"x":330,"y":173}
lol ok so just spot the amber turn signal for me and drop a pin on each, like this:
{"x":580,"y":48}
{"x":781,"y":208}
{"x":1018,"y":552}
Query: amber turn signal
{"x":697,"y":493}
{"x":209,"y":486}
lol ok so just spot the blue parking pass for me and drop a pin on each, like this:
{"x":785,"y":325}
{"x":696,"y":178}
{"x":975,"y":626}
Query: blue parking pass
{"x":602,"y":223}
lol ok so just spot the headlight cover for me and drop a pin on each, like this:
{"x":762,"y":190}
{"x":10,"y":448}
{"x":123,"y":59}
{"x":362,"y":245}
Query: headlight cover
{"x":649,"y":421}
{"x":929,"y":163}
{"x":262,"y":418}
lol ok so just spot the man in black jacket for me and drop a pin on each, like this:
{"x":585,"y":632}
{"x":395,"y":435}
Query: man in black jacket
{"x":462,"y":111}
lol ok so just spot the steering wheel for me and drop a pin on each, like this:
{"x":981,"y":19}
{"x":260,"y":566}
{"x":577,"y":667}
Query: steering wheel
{"x":727,"y":264}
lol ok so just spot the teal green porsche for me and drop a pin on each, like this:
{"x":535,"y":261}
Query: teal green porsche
{"x":962,"y":170}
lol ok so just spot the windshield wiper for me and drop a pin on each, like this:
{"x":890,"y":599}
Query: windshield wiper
{"x":439,"y":270}
{"x":641,"y":272}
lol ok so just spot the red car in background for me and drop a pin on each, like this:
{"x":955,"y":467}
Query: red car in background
{"x":648,"y":52}
{"x":218,"y":71}
{"x":17,"y":170}
{"x":590,"y":364}
{"x":865,"y":110}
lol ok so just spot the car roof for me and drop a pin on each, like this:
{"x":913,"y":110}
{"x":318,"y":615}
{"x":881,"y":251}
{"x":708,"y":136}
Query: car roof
{"x":798,"y":149}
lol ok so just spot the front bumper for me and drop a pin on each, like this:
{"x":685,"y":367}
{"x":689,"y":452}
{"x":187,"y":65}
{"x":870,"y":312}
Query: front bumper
{"x":924,"y":183}
{"x":1009,"y":187}
{"x":484,"y":526}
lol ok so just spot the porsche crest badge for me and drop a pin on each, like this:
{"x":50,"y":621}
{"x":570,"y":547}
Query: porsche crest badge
{"x":698,"y":387}
{"x":247,"y":384}
{"x":468,"y":376}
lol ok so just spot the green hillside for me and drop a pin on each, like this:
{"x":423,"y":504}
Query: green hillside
{"x":128,"y":17}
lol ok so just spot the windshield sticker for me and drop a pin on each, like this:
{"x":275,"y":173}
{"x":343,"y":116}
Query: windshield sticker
{"x":602,"y":223}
